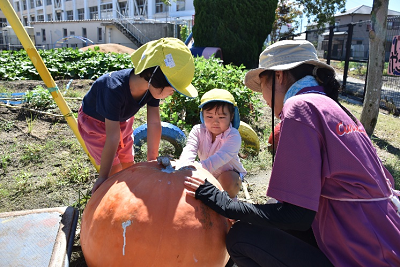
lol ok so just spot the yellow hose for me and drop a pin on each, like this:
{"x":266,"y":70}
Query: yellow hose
{"x":44,"y":73}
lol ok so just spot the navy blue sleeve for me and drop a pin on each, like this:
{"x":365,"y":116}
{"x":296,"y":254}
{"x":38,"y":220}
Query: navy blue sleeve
{"x":284,"y":216}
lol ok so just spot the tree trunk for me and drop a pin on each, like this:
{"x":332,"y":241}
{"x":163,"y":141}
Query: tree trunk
{"x":377,"y":39}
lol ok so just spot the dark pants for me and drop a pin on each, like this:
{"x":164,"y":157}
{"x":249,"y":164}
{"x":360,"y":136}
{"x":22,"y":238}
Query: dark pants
{"x":252,"y":245}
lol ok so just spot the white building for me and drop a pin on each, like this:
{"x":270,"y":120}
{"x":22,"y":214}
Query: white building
{"x":127,"y":22}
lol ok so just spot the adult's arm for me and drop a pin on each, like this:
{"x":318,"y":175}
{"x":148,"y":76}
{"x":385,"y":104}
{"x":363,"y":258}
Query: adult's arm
{"x":280,"y":215}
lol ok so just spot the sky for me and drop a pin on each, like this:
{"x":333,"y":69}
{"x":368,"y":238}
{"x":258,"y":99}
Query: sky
{"x":393,"y":5}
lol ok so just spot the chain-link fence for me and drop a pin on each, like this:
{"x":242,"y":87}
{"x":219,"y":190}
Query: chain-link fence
{"x":348,"y":46}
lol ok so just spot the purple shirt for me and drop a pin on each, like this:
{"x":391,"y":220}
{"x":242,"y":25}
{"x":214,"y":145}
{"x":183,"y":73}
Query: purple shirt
{"x":324,"y":162}
{"x":218,"y":156}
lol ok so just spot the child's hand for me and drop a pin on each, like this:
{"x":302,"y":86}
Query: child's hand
{"x":181,"y":163}
{"x":97,"y":184}
{"x":192,"y":183}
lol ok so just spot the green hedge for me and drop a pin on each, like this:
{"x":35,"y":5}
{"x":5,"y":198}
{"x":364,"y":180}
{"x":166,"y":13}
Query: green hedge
{"x":238,"y":27}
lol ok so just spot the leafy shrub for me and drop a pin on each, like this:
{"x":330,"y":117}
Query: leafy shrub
{"x":238,"y":27}
{"x":184,"y":32}
{"x":39,"y":98}
{"x":62,"y":63}
{"x":210,"y":74}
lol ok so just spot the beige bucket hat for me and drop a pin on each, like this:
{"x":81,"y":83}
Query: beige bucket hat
{"x":283,"y":55}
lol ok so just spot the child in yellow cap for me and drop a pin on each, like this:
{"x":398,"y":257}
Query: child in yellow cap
{"x":105,"y":118}
{"x":216,"y":141}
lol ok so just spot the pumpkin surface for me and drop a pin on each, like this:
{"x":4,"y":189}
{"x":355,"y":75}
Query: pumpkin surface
{"x":142,"y":217}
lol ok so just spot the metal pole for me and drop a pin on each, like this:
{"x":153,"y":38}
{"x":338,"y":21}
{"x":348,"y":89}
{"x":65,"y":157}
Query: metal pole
{"x":347,"y":58}
{"x":328,"y":57}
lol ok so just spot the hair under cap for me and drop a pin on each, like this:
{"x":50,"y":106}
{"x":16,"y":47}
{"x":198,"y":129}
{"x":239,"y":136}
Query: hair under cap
{"x":283,"y":55}
{"x":175,"y":61}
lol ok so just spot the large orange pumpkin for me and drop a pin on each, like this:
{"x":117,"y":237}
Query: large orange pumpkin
{"x":142,"y":217}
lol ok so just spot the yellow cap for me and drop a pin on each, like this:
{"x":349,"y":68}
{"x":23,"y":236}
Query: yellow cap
{"x":173,"y":57}
{"x":217,"y":95}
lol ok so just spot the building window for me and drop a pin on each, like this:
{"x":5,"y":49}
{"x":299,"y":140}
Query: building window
{"x":93,"y":12}
{"x":48,"y":3}
{"x":72,"y":33}
{"x":32,"y":4}
{"x":49,"y":17}
{"x":106,"y":11}
{"x":160,"y":6}
{"x":123,"y":9}
{"x":58,"y":16}
{"x":70,"y":15}
{"x":40,"y":18}
{"x":65,"y":32}
{"x":57,"y":3}
{"x":37,"y":33}
{"x":25,"y":21}
{"x":39,"y":3}
{"x":32,"y":18}
{"x":3,"y":22}
{"x":17,"y":7}
{"x":24,"y":7}
{"x":43,"y":35}
{"x":180,"y":5}
{"x":81,"y":13}
{"x":99,"y":34}
{"x":141,"y":8}
{"x":84,"y":32}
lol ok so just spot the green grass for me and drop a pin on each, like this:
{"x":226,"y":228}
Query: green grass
{"x":357,"y":68}
{"x":75,"y":172}
{"x":73,"y":93}
{"x":386,"y":140}
{"x":6,"y":125}
{"x":4,"y":161}
{"x":23,"y":181}
{"x":32,"y":153}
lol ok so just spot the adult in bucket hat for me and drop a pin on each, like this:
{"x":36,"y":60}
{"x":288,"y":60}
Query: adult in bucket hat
{"x":216,"y":141}
{"x":105,"y":118}
{"x":336,"y":201}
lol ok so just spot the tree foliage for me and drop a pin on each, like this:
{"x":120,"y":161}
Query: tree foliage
{"x":321,"y":12}
{"x":285,"y":18}
{"x":238,"y":27}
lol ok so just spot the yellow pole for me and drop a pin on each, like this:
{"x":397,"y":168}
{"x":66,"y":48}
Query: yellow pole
{"x":44,"y":73}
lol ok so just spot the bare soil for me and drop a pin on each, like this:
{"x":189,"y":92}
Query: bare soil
{"x":116,"y":48}
{"x":42,"y":164}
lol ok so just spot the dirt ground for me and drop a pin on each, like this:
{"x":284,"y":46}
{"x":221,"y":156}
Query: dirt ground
{"x":37,"y":152}
{"x":117,"y":48}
